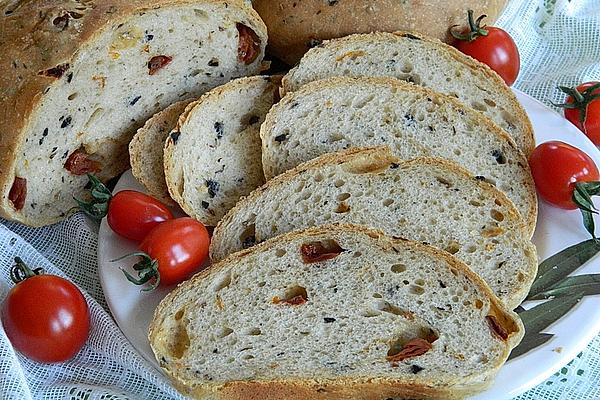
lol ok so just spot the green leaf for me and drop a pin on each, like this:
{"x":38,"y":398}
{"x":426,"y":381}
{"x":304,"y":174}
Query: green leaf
{"x":588,"y":222}
{"x":530,"y":342}
{"x":543,"y":315}
{"x":586,"y":284}
{"x":561,"y":265}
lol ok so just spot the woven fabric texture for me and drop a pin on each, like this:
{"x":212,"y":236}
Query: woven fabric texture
{"x":559,"y":44}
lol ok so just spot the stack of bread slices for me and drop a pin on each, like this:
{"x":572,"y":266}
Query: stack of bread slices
{"x":373,"y":208}
{"x":372,"y":226}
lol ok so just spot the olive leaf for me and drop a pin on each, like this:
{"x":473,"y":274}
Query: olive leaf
{"x":586,"y":284}
{"x":559,"y":266}
{"x":530,"y":342}
{"x":539,"y":318}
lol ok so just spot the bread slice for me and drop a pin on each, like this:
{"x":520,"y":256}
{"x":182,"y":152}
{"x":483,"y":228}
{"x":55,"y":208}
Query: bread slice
{"x":425,"y":199}
{"x":338,"y":113}
{"x":320,"y":314}
{"x":146,"y":151}
{"x":76,"y":84}
{"x":425,"y":62}
{"x":213,"y":157}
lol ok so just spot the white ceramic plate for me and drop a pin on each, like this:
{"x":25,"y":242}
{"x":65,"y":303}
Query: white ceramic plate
{"x":556,"y":230}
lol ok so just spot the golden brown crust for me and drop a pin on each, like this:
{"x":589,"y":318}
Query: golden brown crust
{"x":530,"y":218}
{"x":292,"y":25}
{"x":343,"y":388}
{"x":156,"y":188}
{"x":499,"y":84}
{"x":39,"y":35}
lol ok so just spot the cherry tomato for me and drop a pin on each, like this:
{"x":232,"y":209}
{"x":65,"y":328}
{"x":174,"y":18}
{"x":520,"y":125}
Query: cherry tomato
{"x":129,"y":213}
{"x":171,"y":252}
{"x":134,"y":214}
{"x":588,"y":103}
{"x":556,"y":167}
{"x":492,"y":46}
{"x":46,"y":318}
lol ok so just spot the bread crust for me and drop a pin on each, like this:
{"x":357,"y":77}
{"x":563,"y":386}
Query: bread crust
{"x":34,"y":40}
{"x":471,"y":63}
{"x":348,"y":388}
{"x":156,"y":186}
{"x":530,"y":217}
{"x":293,"y":25}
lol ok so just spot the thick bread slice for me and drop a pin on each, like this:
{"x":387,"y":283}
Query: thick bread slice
{"x":213,"y":157}
{"x":425,"y":199}
{"x":271,"y":322}
{"x":338,"y":113}
{"x":78,"y":79}
{"x":423,"y":61}
{"x":146,"y":151}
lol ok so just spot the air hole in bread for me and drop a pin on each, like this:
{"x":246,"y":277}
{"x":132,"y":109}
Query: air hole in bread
{"x":280,"y":252}
{"x":343,"y":196}
{"x":248,"y":236}
{"x":497,"y":215}
{"x":478,"y":106}
{"x":407,"y":67}
{"x":294,"y":296}
{"x":370,"y":313}
{"x":453,"y":247}
{"x":224,"y":332}
{"x":180,"y":341}
{"x":384,"y":306}
{"x":253,"y":332}
{"x":336,"y":137}
{"x":414,"y":289}
{"x":221,"y":282}
{"x":398,"y":268}
{"x":342,"y":208}
{"x":179,"y":314}
{"x":490,"y":102}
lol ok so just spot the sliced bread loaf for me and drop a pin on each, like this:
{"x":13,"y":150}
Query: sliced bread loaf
{"x":336,"y":312}
{"x":213,"y":157}
{"x":425,"y":199}
{"x":146,"y":151}
{"x":425,"y":62}
{"x":79,"y":78}
{"x":338,"y":113}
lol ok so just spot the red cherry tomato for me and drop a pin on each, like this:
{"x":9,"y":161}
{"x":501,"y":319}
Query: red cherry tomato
{"x":589,"y":105}
{"x":46,"y":318}
{"x":173,"y":251}
{"x":134,"y":214}
{"x":556,"y":167}
{"x":496,"y":49}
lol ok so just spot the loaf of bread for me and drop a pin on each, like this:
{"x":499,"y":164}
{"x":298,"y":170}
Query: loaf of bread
{"x":337,"y":113}
{"x":422,"y":61}
{"x":146,"y":151}
{"x":79,"y":78}
{"x":213,"y":157}
{"x":425,"y":199}
{"x":295,"y":26}
{"x":336,"y":312}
